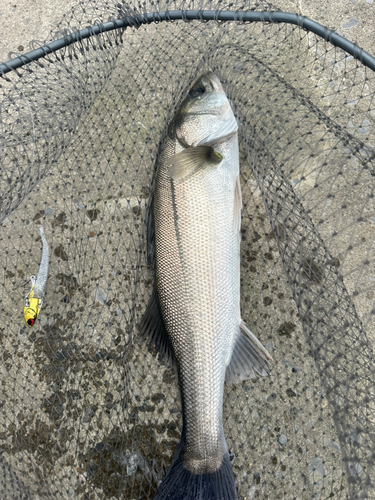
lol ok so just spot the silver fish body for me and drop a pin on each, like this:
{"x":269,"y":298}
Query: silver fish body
{"x":197,"y":213}
{"x":197,"y":273}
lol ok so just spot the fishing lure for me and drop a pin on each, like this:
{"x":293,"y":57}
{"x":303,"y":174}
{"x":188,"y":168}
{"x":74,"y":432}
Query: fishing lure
{"x":34,"y":300}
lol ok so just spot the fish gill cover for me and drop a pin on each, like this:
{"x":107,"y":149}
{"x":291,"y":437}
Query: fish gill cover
{"x":86,"y":410}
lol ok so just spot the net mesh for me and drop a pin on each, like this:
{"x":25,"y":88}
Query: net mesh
{"x":86,"y":410}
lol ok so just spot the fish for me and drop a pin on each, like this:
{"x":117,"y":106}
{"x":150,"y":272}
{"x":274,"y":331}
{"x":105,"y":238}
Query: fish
{"x":34,"y":300}
{"x":193,"y":318}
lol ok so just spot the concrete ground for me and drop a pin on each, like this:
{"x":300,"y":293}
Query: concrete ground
{"x":25,"y":20}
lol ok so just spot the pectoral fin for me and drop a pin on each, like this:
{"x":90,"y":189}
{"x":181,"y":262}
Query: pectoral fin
{"x":249,"y":356}
{"x":152,"y":328}
{"x":189,"y":161}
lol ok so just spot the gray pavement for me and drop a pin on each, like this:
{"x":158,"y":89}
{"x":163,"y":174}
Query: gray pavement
{"x":27,"y":20}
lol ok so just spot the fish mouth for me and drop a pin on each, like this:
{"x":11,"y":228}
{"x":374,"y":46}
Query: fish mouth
{"x":200,"y":113}
{"x":214,"y":80}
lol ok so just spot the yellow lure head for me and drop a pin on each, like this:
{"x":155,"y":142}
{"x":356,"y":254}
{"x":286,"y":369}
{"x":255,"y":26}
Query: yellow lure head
{"x":32,"y":306}
{"x":31,"y":310}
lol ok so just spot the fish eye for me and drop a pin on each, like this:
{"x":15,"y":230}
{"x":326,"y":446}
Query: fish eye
{"x":196,"y":91}
{"x":30,"y":321}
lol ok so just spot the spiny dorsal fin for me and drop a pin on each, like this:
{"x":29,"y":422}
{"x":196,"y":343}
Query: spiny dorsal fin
{"x":249,"y":356}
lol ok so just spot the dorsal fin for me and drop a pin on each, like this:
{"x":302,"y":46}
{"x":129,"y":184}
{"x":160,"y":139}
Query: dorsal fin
{"x":153,"y":330}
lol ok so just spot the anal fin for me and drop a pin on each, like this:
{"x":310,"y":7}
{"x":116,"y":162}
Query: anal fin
{"x":152,"y":329}
{"x":249,"y":357}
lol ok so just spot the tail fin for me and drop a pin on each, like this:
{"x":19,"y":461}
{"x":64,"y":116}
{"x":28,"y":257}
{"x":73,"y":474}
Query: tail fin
{"x":180,"y":484}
